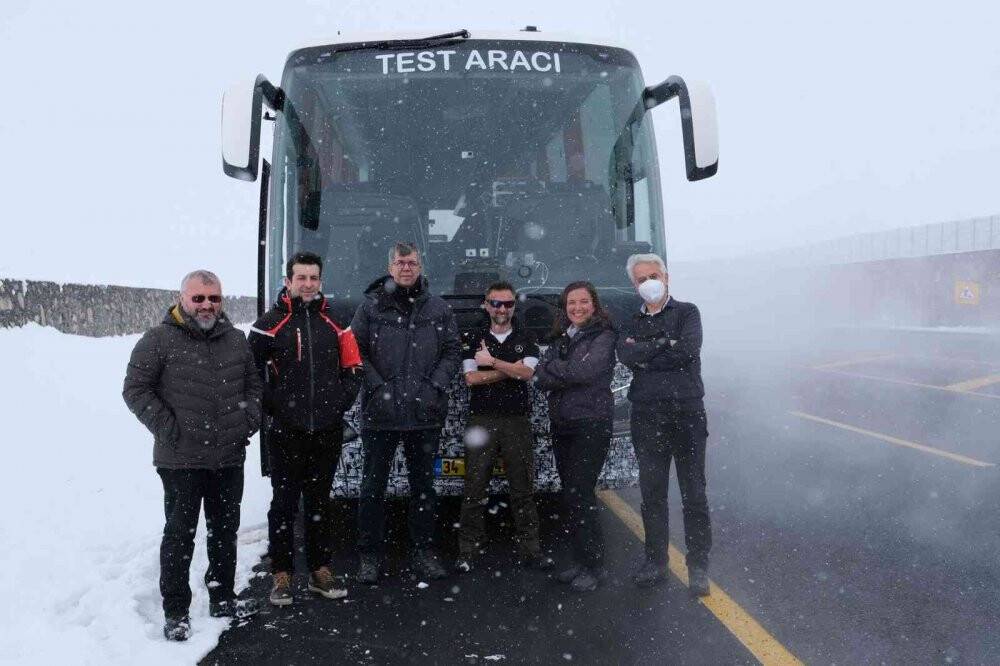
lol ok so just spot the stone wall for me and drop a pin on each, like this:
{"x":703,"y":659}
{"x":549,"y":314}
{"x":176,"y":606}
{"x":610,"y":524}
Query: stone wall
{"x":96,"y":310}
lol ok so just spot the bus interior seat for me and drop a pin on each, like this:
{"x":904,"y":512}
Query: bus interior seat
{"x":362,"y":224}
{"x":573,"y":221}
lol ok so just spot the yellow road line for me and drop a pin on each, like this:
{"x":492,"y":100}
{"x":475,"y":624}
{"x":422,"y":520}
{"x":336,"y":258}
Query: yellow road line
{"x":905,"y":382}
{"x":854,"y":361}
{"x":973,"y":384}
{"x":741,"y":624}
{"x":895,"y":440}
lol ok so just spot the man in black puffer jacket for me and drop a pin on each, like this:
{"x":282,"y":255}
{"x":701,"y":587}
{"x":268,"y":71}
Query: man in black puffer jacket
{"x":311,"y":369}
{"x":661,"y":345}
{"x":193,"y":383}
{"x":411,"y":350}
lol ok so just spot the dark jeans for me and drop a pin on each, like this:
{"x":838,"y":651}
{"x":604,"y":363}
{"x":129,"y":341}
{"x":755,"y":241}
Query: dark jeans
{"x":379,"y":447}
{"x":658,"y":438}
{"x":183,"y":492}
{"x":580,"y":448}
{"x":511,"y":438}
{"x":302,"y":464}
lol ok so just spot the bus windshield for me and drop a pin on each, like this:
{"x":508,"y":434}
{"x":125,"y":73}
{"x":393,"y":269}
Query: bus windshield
{"x":524,"y":161}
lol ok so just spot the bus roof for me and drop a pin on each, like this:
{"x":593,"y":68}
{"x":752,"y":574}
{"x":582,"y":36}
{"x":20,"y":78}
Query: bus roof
{"x":513,"y":35}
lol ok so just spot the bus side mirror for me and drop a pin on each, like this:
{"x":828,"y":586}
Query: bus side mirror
{"x":242,"y":104}
{"x":241,"y":111}
{"x":698,"y":122}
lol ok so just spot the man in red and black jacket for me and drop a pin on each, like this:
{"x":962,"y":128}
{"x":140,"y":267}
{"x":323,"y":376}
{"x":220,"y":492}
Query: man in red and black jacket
{"x":311,"y":377}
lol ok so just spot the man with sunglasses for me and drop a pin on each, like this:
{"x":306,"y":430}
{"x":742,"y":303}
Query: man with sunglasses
{"x":498,"y":362}
{"x":193,"y":383}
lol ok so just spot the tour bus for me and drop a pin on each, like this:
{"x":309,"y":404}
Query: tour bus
{"x":519,"y":156}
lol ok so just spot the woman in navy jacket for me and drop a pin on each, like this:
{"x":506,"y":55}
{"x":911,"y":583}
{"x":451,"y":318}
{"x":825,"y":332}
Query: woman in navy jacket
{"x":576,"y":373}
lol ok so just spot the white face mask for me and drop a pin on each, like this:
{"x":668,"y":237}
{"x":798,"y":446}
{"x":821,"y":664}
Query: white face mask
{"x":652,"y":291}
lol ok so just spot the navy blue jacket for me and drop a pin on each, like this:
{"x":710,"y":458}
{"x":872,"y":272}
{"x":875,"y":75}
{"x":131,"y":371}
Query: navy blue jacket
{"x":664,"y":355}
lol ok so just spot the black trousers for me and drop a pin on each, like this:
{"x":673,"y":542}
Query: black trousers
{"x":183,"y":493}
{"x":580,"y":449}
{"x":419,"y":449}
{"x":302,"y":465}
{"x":659,"y":438}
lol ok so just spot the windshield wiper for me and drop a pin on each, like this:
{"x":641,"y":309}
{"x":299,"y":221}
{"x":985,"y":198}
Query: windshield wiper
{"x":423,"y":42}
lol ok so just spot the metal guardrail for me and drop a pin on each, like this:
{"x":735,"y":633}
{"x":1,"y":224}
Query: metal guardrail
{"x":926,"y":240}
{"x":970,"y":235}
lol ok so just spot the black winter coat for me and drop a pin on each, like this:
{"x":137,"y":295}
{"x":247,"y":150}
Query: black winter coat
{"x":198,"y":392}
{"x":576,"y":372}
{"x":665,"y":358}
{"x":410,"y":358}
{"x":296,"y":346}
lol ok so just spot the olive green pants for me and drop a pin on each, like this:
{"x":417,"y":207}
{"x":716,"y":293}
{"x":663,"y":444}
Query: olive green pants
{"x":510,"y":438}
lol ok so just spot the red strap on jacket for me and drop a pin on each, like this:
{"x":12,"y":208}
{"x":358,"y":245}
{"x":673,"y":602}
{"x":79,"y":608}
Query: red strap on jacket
{"x":350,"y":355}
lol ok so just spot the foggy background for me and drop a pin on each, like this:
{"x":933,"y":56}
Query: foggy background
{"x":833,"y":120}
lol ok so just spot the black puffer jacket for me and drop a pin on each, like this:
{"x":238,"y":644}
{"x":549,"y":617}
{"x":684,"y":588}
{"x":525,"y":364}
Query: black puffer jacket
{"x":410,"y":358}
{"x":576,"y":372}
{"x":298,"y":347}
{"x":198,"y":393}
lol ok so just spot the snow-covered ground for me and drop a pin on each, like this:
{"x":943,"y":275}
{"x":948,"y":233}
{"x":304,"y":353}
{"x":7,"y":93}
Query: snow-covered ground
{"x":81,"y":511}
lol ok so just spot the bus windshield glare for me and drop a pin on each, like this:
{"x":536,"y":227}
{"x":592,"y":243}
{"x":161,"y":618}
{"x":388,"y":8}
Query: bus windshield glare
{"x":523,"y":161}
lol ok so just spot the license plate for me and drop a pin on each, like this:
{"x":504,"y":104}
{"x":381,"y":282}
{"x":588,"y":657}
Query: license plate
{"x":456,"y":467}
{"x":449,"y":467}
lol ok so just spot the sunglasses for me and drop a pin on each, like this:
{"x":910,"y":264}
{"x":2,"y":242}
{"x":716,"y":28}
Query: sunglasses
{"x":200,"y":298}
{"x":501,"y":304}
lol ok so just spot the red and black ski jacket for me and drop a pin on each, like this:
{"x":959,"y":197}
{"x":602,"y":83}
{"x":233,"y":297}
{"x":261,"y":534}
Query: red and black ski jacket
{"x":309,"y":363}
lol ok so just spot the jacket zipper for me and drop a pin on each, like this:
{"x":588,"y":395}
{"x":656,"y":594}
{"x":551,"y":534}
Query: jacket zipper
{"x":409,"y":342}
{"x":312,"y":386}
{"x":298,"y":344}
{"x":215,"y":430}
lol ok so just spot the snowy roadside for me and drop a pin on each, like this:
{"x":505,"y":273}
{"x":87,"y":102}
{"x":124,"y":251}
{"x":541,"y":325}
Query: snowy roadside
{"x":82,"y":512}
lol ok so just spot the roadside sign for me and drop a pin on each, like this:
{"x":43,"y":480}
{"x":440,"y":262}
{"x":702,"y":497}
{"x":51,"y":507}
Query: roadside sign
{"x":966,"y":293}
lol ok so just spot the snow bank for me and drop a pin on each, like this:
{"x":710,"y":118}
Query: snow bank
{"x":82,"y":512}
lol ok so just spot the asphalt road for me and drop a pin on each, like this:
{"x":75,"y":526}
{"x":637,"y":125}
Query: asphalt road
{"x":855,"y":495}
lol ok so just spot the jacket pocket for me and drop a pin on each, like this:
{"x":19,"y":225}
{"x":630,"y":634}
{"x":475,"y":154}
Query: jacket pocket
{"x":432,"y":404}
{"x":169,"y":433}
{"x":380,"y":403}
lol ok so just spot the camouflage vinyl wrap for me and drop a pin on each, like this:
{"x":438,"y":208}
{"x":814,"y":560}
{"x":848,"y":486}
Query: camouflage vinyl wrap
{"x":620,"y":469}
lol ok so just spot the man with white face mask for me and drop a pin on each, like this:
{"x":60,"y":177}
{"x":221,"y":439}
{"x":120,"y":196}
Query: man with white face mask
{"x":661,"y":345}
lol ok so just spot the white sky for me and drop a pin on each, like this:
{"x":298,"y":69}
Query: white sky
{"x":847,"y":117}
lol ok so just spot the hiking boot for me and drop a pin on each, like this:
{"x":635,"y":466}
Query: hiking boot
{"x":322,"y":583}
{"x":588,"y":579}
{"x":569,"y":574}
{"x":698,"y":581}
{"x":177,"y":628}
{"x":368,"y":569}
{"x":237,"y":608}
{"x":281,"y":589}
{"x":650,"y":573}
{"x":426,"y":563}
{"x":537,"y":561}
